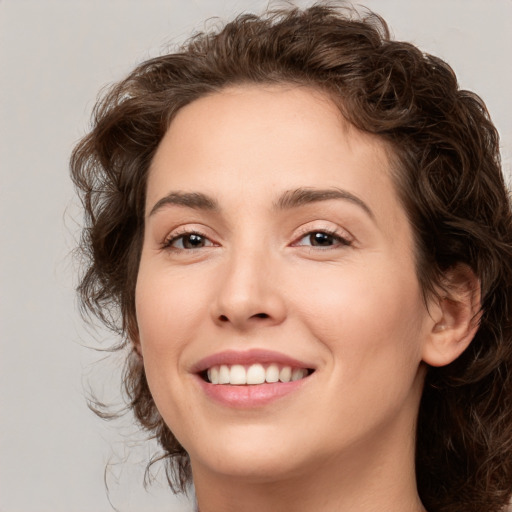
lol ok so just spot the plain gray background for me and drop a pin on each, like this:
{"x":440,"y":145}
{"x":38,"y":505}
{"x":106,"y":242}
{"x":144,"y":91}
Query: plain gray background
{"x":54,"y":58}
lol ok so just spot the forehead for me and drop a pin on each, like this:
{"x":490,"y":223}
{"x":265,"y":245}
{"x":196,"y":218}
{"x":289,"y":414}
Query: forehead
{"x":261,"y":139}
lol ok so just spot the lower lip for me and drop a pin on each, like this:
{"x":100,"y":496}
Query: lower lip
{"x":249,"y":396}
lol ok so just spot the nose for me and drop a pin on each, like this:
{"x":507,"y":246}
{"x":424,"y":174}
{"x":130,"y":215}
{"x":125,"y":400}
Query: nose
{"x":249,"y":293}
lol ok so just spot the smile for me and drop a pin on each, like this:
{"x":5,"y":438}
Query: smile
{"x":240,"y":375}
{"x":251,"y":378}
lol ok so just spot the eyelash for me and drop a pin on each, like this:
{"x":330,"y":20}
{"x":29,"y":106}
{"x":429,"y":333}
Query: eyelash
{"x":341,"y":240}
{"x":168,"y":242}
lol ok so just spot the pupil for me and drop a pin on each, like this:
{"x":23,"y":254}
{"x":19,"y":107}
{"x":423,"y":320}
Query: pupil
{"x":193,"y":241}
{"x":321,"y":239}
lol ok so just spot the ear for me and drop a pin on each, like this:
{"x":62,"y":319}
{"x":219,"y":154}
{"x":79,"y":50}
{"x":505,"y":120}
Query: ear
{"x":456,"y":316}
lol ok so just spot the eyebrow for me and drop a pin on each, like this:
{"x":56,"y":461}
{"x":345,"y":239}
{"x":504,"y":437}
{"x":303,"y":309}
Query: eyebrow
{"x":287,"y":201}
{"x":302,"y":196}
{"x":195,"y":200}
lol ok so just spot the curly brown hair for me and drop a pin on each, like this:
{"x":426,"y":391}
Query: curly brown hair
{"x":447,"y":171}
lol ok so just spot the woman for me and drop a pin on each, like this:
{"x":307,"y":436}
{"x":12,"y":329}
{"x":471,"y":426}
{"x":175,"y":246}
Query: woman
{"x":305,"y":230}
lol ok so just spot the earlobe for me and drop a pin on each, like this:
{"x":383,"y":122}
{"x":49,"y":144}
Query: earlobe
{"x":456,"y":318}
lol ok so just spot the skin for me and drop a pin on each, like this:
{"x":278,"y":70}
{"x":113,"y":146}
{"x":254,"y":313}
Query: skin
{"x":353,"y":309}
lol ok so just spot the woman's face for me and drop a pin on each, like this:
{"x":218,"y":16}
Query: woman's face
{"x":276,"y":248}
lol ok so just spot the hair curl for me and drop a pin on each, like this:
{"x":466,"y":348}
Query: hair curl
{"x":447,"y":172}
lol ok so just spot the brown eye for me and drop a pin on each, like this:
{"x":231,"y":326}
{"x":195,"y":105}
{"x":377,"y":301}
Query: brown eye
{"x":193,"y":241}
{"x":189,"y":241}
{"x":322,"y":239}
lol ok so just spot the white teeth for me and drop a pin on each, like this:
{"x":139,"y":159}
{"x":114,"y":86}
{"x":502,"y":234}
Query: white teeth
{"x":256,"y":374}
{"x":285,"y":375}
{"x":298,"y":373}
{"x":238,"y":374}
{"x":272,"y":374}
{"x":213,"y":375}
{"x":223,"y":374}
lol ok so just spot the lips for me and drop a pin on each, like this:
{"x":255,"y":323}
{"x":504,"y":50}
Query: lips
{"x":248,"y":357}
{"x":250,"y":378}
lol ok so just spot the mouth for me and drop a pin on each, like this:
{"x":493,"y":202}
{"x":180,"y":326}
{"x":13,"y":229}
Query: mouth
{"x":251,"y":379}
{"x":253,"y":374}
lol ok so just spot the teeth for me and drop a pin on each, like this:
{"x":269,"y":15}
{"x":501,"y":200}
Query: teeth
{"x":223,"y":374}
{"x":213,"y":375}
{"x":255,"y":374}
{"x":238,"y":374}
{"x":285,"y":375}
{"x":298,"y":373}
{"x":272,"y":374}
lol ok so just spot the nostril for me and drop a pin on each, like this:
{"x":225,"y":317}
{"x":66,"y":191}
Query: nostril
{"x":224,"y":318}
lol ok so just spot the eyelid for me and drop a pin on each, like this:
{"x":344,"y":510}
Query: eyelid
{"x":182,"y":231}
{"x":345,"y":238}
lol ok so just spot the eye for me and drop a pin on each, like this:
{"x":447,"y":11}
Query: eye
{"x":322,"y":239}
{"x":187,"y":241}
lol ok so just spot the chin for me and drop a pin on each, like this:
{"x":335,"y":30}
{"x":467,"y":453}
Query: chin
{"x":260,"y":469}
{"x":251,"y":455}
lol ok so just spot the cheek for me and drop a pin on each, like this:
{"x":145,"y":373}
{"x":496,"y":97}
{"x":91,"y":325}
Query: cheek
{"x":372,"y":331}
{"x":370,"y":321}
{"x":168,"y":310}
{"x":167,"y":315}
{"x":167,"y":306}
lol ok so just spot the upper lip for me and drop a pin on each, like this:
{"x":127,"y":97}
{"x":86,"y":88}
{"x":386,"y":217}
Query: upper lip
{"x":248,"y":357}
